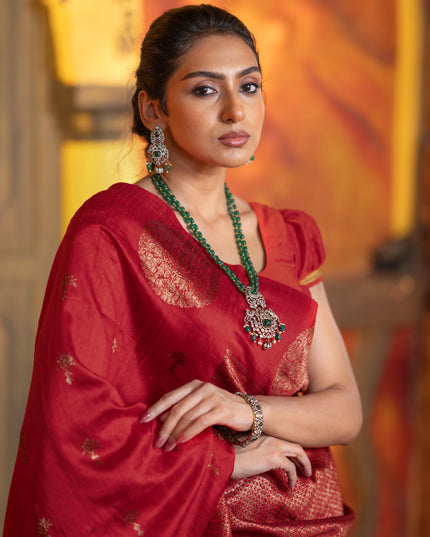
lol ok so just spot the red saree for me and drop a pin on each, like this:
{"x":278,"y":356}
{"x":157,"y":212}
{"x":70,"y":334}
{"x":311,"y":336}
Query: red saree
{"x":134,"y":308}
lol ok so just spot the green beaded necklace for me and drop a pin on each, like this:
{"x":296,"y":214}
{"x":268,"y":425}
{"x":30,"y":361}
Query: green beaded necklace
{"x":261,"y":323}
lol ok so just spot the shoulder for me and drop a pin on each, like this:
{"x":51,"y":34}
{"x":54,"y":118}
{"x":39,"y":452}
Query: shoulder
{"x":120,"y":201}
{"x":302,"y":237}
{"x":298,"y":224}
{"x":119,"y":212}
{"x":301,"y":224}
{"x":304,"y":232}
{"x":109,"y":224}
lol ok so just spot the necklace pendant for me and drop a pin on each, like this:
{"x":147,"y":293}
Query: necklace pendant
{"x":260,"y":322}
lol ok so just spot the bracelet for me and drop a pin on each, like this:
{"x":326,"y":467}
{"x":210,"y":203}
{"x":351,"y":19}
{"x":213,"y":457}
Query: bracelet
{"x":258,"y":421}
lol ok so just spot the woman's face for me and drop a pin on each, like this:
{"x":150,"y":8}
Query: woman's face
{"x":215,"y":107}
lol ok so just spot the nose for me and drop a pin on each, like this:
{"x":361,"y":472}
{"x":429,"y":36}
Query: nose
{"x":233,"y":110}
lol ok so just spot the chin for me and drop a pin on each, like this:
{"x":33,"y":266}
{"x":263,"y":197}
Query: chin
{"x":236,"y":162}
{"x":238,"y":165}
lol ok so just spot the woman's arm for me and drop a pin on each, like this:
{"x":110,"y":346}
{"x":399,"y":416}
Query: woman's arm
{"x":329,"y":413}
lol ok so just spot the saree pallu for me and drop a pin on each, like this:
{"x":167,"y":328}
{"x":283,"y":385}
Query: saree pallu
{"x":134,"y":308}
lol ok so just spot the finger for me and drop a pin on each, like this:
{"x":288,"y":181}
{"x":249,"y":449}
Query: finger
{"x":202,"y":400}
{"x":213,"y":409}
{"x":179,"y":419}
{"x":168,"y":400}
{"x":300,"y":459}
{"x":195,"y":427}
{"x":291,"y":471}
{"x":304,"y":464}
{"x":194,"y":406}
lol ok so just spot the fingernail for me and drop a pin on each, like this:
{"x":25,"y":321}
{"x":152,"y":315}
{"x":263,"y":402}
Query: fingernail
{"x":181,"y":439}
{"x":146,"y":417}
{"x":168,"y":446}
{"x":159,"y":442}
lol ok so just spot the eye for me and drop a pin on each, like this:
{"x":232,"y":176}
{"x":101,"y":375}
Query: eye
{"x":250,"y":87}
{"x":201,"y":91}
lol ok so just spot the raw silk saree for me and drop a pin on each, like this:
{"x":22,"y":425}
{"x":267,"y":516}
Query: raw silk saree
{"x":133,"y":309}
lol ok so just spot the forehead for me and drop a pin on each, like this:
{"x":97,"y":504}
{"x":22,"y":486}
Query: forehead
{"x":217,"y":53}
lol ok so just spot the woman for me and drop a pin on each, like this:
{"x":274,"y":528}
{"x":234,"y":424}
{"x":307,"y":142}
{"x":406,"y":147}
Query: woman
{"x":158,"y":311}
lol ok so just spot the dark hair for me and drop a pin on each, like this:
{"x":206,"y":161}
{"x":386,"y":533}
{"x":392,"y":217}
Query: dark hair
{"x":168,"y":38}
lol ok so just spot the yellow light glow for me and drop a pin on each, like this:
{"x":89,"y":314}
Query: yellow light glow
{"x":91,"y":166}
{"x":95,"y":41}
{"x":407,"y":108}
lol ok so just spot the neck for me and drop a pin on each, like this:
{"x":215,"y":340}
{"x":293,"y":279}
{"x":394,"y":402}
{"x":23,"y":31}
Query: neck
{"x":200,"y":193}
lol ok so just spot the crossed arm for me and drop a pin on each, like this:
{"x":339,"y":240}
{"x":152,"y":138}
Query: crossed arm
{"x":328,"y":414}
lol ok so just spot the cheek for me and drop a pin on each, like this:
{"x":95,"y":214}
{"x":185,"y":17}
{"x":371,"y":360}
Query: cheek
{"x":188,"y":122}
{"x":260,"y":112}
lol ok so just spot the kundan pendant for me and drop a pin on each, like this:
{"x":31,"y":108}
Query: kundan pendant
{"x":261,"y":323}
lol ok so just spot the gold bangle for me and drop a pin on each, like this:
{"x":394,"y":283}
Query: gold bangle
{"x":257,"y":423}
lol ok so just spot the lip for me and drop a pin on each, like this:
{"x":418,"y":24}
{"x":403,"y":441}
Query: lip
{"x":234,"y":138}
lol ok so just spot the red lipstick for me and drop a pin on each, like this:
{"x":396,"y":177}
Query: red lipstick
{"x":234,"y":138}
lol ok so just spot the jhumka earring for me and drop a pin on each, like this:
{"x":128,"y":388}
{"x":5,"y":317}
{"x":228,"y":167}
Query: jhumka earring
{"x":251,"y":159}
{"x":157,"y":153}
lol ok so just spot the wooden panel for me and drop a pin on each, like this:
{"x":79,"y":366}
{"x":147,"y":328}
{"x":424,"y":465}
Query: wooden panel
{"x":16,"y":194}
{"x":16,"y":321}
{"x":29,"y":208}
{"x":16,"y":330}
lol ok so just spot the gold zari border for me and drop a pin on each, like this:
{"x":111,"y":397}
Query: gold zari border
{"x":310,"y":278}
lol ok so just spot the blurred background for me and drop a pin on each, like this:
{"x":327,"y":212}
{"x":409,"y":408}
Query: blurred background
{"x":347,"y":139}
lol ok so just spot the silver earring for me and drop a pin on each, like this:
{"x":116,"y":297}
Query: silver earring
{"x":157,"y":153}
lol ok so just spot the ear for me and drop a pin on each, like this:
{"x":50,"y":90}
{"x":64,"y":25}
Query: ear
{"x":150,"y":111}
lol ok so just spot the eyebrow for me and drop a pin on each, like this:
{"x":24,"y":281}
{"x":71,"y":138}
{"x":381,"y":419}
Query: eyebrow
{"x":219,"y":76}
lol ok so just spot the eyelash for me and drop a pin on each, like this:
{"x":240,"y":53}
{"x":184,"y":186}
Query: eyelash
{"x":201,"y":90}
{"x":255,"y":86}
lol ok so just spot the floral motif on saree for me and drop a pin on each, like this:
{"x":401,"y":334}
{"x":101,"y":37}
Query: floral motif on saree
{"x":168,"y":261}
{"x":43,"y":525}
{"x":292,"y":374}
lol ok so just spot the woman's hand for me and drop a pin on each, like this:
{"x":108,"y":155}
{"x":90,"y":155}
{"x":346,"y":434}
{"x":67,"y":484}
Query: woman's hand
{"x":268,"y":453}
{"x":188,"y":410}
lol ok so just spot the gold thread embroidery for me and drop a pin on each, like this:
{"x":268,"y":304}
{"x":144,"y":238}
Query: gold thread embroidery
{"x":232,"y":375}
{"x":292,"y":374}
{"x":65,"y":362}
{"x":114,"y":345}
{"x":311,"y":277}
{"x":176,"y":268}
{"x":68,"y":281}
{"x":89,"y":447}
{"x":212,"y":466}
{"x":130,"y":519}
{"x":43,"y":525}
{"x":263,"y":502}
